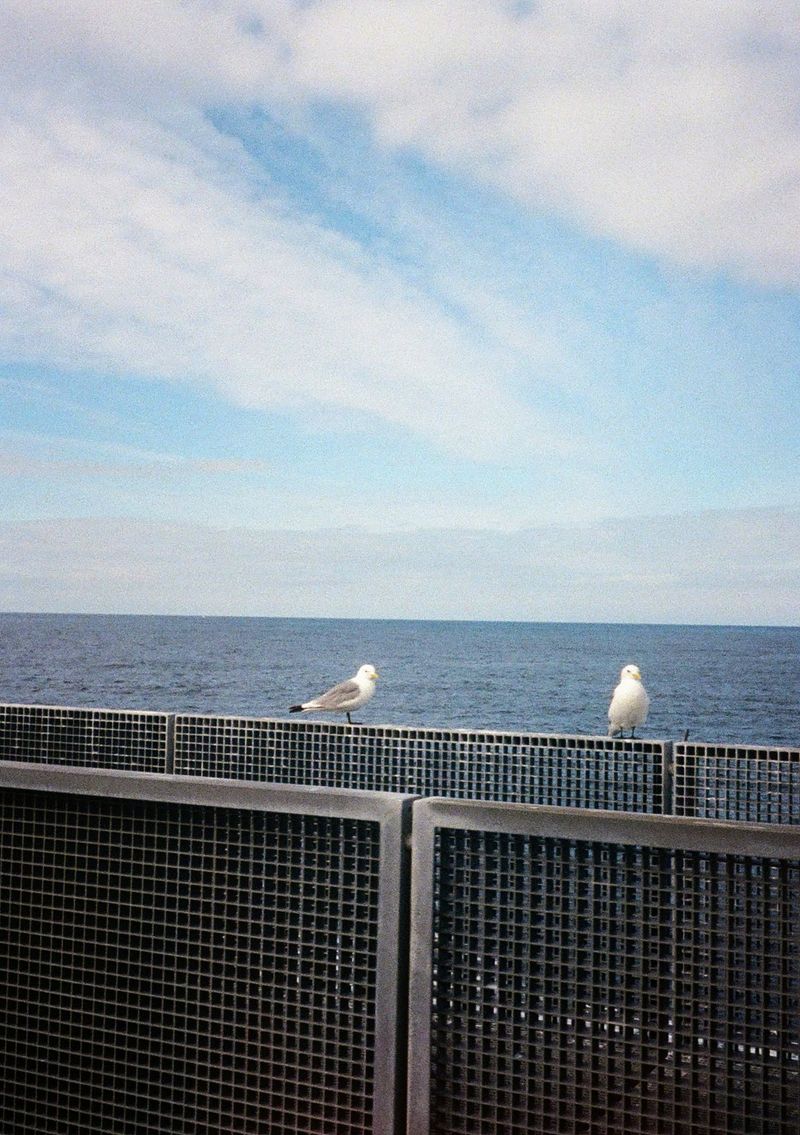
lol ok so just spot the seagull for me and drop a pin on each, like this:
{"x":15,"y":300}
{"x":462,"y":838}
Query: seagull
{"x":345,"y":697}
{"x":629,"y":704}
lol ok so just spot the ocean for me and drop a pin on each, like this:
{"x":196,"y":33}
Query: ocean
{"x":739,"y":685}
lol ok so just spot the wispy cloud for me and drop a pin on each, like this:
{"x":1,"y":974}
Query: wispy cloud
{"x":477,"y":264}
{"x":132,"y":250}
{"x":674,"y":128}
{"x":15,"y":464}
{"x":142,"y":240}
{"x":725,"y":567}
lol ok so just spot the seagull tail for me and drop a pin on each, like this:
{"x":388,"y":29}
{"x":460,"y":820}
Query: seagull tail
{"x":295,"y":709}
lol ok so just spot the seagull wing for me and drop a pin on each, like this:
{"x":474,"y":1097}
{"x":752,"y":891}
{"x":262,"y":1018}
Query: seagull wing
{"x":339,"y":696}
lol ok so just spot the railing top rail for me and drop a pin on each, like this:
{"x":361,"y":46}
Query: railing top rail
{"x":726,"y":748}
{"x":450,"y":733}
{"x":214,"y":792}
{"x":635,"y":828}
{"x":87,"y":709}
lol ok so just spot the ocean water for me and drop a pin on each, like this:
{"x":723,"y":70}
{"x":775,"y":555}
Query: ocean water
{"x":721,"y":684}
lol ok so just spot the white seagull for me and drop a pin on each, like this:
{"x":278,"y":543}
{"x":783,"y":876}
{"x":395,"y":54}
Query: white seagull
{"x":629,"y":704}
{"x":345,"y":697}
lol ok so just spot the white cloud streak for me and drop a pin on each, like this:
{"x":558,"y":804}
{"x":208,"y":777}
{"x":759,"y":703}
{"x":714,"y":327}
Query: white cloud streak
{"x":20,"y":465}
{"x":674,"y":129}
{"x":130,"y":251}
{"x":140,"y":240}
{"x":715,"y":567}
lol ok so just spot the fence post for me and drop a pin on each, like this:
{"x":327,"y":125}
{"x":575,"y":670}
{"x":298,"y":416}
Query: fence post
{"x":669,"y":779}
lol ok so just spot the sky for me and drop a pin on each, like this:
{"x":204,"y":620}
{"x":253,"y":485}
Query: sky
{"x":477,"y":309}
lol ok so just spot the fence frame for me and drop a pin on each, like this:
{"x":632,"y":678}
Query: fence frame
{"x":391,"y":811}
{"x":683,"y":833}
{"x":559,"y":769}
{"x":774,"y":781}
{"x":92,"y":720}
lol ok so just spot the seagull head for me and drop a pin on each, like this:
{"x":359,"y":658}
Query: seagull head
{"x":368,"y":672}
{"x":630,"y":671}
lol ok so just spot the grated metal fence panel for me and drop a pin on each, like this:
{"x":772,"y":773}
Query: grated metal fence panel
{"x":96,"y":738}
{"x":572,"y":771}
{"x":578,"y":973}
{"x":190,"y":958}
{"x":737,"y":782}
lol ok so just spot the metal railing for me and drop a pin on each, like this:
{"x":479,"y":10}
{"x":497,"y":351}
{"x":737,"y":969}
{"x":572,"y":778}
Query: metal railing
{"x":575,"y":971}
{"x":568,"y":770}
{"x":712,"y":781}
{"x":183,"y":955}
{"x":737,"y":782}
{"x":573,"y":771}
{"x":139,"y":741}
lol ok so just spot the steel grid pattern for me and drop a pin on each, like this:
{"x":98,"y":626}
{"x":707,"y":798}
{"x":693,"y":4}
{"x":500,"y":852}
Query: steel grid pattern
{"x":571,"y":771}
{"x":175,"y":966}
{"x":737,"y":782}
{"x":96,"y":738}
{"x":573,"y":976}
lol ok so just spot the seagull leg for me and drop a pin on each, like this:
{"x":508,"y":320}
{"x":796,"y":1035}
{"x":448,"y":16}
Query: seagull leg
{"x":633,"y":732}
{"x":349,"y":722}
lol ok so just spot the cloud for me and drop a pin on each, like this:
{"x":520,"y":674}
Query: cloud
{"x":674,"y":129}
{"x":712,"y":567}
{"x":133,"y":250}
{"x":157,"y":49}
{"x":16,"y":464}
{"x":141,"y":240}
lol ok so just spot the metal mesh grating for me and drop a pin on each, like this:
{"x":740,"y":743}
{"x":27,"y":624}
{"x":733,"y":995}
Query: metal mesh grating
{"x":182,"y":968}
{"x":593,"y":772}
{"x":583,"y":987}
{"x":96,"y":738}
{"x":733,"y":782}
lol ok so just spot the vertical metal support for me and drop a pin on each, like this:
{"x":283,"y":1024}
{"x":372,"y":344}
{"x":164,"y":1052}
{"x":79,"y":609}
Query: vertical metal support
{"x":391,"y":1000}
{"x":668,"y":778}
{"x":420,"y":992}
{"x":169,"y":745}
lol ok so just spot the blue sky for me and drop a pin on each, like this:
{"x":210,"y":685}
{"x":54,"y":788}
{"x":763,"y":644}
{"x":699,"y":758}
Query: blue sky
{"x":483,"y":269}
